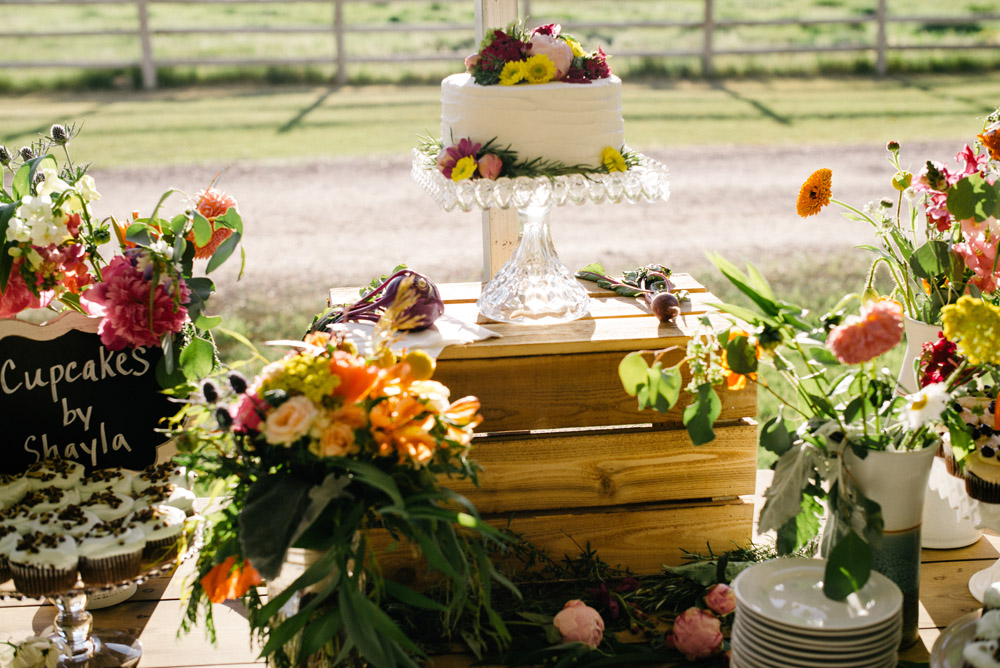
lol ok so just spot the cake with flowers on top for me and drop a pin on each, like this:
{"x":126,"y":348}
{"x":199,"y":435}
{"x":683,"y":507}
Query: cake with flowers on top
{"x":531,"y":104}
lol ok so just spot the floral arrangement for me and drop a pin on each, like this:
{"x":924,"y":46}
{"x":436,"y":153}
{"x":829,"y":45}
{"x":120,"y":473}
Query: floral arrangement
{"x":474,"y":160}
{"x":148,"y":295}
{"x":951,"y":249}
{"x":514,"y":55}
{"x":323,"y":449}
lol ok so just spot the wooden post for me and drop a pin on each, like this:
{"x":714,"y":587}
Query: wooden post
{"x":148,"y":67}
{"x":706,"y":54}
{"x":881,"y":43}
{"x":500,"y":226}
{"x":338,"y":41}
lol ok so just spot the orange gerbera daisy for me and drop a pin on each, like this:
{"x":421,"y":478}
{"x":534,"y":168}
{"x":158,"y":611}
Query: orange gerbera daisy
{"x":212,"y":203}
{"x":815,"y":193}
{"x":737,"y":381}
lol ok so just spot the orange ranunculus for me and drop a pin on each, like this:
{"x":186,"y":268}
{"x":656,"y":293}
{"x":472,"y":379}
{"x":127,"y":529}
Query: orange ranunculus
{"x":226,"y":581}
{"x":356,"y":378}
{"x":464,"y":412}
{"x":213,"y":203}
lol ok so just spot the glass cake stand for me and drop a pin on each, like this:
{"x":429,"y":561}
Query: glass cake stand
{"x":534,"y":287}
{"x":87,"y":647}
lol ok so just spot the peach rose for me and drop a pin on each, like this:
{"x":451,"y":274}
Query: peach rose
{"x":290,"y":421}
{"x":471,"y":61}
{"x":721,"y":599}
{"x":559,"y":51}
{"x":490,"y":166}
{"x":336,"y":440}
{"x":697,"y":634}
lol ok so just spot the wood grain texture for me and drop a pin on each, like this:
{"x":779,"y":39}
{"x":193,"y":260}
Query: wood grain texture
{"x":566,"y":391}
{"x":610,"y":467}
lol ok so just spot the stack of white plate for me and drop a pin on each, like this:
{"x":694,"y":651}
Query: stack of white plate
{"x":783,"y":619}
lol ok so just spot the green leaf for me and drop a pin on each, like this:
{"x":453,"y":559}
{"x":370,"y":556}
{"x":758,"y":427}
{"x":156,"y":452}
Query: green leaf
{"x":178,"y":223}
{"x":632,"y":372}
{"x":774,"y":435}
{"x":783,"y":499}
{"x":268,"y":519}
{"x":25,"y":175}
{"x":973,"y":197}
{"x":700,"y":415}
{"x":745,"y":284}
{"x":741,"y":355}
{"x":745,"y":314}
{"x":6,"y":260}
{"x":168,"y":373}
{"x":823,"y":356}
{"x":359,"y":620}
{"x":934,"y":258}
{"x":197,"y":358}
{"x":593,"y":268}
{"x":320,"y":631}
{"x":857,"y":407}
{"x":848,"y":567}
{"x":333,"y":487}
{"x":231,"y":219}
{"x":138,"y":233}
{"x":223,"y":252}
{"x":208,"y":322}
{"x":202,"y":229}
{"x":668,"y":388}
{"x":411,"y":598}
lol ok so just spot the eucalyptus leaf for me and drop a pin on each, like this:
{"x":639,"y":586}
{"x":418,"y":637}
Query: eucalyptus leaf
{"x":848,"y":567}
{"x":231,"y":219}
{"x":223,"y":252}
{"x":783,"y":499}
{"x":202,"y":229}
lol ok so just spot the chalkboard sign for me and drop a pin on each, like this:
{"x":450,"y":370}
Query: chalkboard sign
{"x":63,"y":394}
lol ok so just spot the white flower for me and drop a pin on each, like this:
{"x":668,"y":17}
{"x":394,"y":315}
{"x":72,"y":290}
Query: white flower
{"x":37,"y":652}
{"x":926,"y":405}
{"x":161,"y":247}
{"x":6,"y":653}
{"x":52,"y":183}
{"x":18,"y":231}
{"x":36,"y":212}
{"x":87,"y":189}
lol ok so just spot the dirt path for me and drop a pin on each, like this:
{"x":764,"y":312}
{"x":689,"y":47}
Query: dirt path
{"x":341,"y":222}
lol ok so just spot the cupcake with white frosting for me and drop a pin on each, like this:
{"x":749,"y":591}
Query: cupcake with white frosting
{"x":111,"y":552}
{"x":19,"y":517}
{"x":12,"y":490}
{"x":116,"y":479}
{"x":161,"y":474}
{"x":108,"y":505}
{"x":8,"y":541}
{"x":166,"y":494}
{"x":162,"y":525}
{"x":49,"y":498}
{"x":71,"y":521}
{"x":44,"y":564}
{"x":61,"y":473}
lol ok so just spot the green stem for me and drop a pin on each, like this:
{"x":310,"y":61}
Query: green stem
{"x":777,"y":396}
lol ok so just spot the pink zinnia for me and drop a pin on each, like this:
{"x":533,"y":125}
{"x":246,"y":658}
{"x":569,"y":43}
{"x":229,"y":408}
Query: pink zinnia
{"x":876,"y":330}
{"x":123,"y":301}
{"x":17,"y":297}
{"x":448,"y":157}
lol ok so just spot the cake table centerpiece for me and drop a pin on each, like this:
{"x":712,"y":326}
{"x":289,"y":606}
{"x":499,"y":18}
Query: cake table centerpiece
{"x":535,"y":122}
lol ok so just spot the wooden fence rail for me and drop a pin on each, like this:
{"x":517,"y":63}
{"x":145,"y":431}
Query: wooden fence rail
{"x":338,"y":28}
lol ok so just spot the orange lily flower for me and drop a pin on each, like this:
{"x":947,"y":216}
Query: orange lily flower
{"x":226,"y":581}
{"x":357,"y":379}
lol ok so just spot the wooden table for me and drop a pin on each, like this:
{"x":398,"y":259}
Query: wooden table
{"x":154,"y":613}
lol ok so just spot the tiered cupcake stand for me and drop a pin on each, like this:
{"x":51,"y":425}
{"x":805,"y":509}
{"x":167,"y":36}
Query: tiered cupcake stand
{"x":534,"y":287}
{"x":73,"y":624}
{"x":981,"y":515}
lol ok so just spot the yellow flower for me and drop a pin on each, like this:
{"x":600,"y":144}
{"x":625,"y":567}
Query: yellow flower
{"x":539,"y":69}
{"x":974,"y":326}
{"x":815,"y":193}
{"x":463,"y":169}
{"x":578,"y":51}
{"x":613,"y":160}
{"x":512,"y":73}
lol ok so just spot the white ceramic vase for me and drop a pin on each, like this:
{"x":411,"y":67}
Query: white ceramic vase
{"x":917,"y":334}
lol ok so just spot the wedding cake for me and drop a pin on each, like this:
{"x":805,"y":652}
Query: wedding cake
{"x":531,"y":104}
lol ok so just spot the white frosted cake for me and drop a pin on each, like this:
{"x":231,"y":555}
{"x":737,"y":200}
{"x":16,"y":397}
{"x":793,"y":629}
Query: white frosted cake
{"x":562,"y":122}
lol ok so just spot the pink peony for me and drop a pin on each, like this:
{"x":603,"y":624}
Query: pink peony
{"x":556,"y":49}
{"x":550,"y":29}
{"x":16,"y":297}
{"x":721,"y":599}
{"x":697,"y":634}
{"x":471,"y":61}
{"x":123,"y":301}
{"x":877,"y":329}
{"x":490,"y":166}
{"x":578,"y":622}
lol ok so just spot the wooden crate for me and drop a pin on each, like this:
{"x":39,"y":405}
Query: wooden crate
{"x":567,"y":457}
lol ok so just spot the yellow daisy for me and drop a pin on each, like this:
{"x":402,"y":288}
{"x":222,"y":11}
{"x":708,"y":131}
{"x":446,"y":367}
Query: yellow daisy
{"x":815,"y":193}
{"x":463,"y":169}
{"x":512,"y":73}
{"x":578,"y":51}
{"x":539,"y":69}
{"x":613,"y":160}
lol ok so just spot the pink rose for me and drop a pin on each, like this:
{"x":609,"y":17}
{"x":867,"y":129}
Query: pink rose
{"x":721,"y":599}
{"x":697,"y":634}
{"x":471,"y":61}
{"x":490,"y":166}
{"x":290,"y":421}
{"x":247,"y":412}
{"x":559,"y":51}
{"x":578,"y":622}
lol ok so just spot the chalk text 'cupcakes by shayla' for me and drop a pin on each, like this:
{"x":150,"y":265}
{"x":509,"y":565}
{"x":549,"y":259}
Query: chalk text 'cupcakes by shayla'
{"x":111,"y":552}
{"x":44,"y":564}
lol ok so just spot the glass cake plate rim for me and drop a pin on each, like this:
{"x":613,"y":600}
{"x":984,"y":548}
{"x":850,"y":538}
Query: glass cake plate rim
{"x":648,"y":181}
